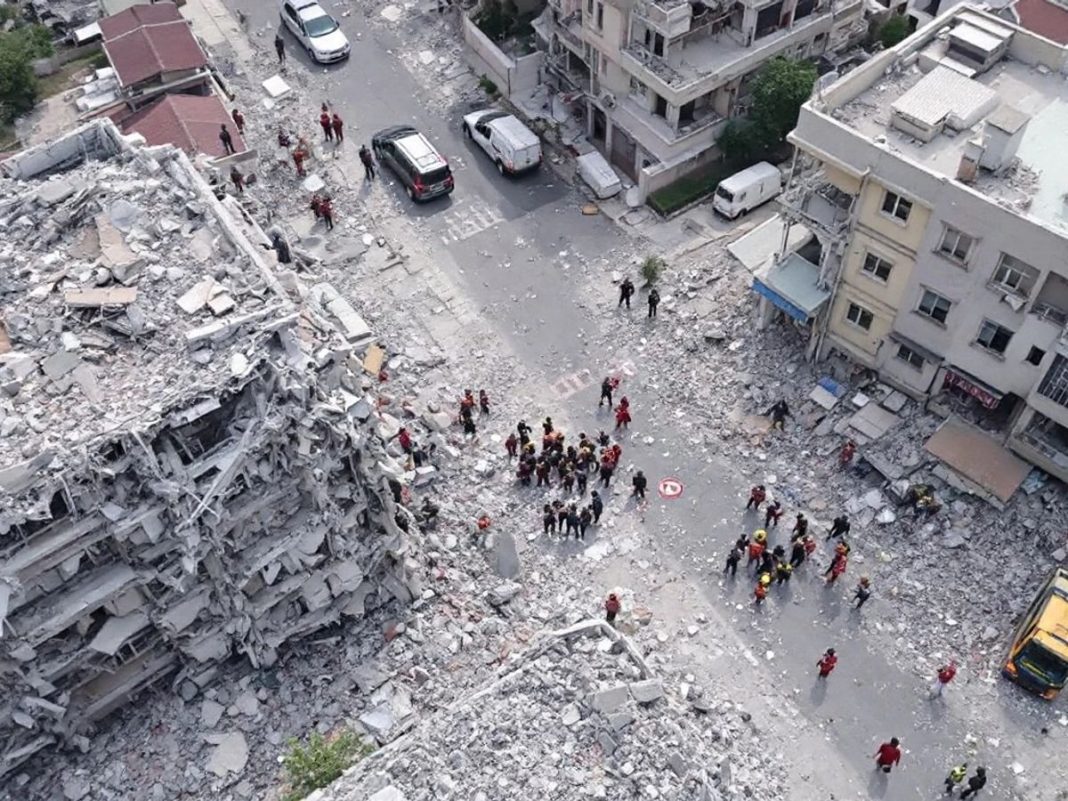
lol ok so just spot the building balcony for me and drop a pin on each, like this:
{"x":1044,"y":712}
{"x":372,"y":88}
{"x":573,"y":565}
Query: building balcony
{"x":670,"y":17}
{"x":697,"y":134}
{"x":825,"y":209}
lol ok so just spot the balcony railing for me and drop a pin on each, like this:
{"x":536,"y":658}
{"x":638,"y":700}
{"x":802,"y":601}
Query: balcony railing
{"x":655,"y":64}
{"x":1047,"y":311}
{"x":826,"y":207}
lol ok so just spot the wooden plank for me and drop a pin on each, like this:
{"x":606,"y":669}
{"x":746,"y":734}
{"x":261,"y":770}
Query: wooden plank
{"x":373,"y":359}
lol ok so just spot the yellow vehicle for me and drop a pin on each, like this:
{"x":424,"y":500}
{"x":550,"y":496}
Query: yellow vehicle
{"x":1038,"y":658}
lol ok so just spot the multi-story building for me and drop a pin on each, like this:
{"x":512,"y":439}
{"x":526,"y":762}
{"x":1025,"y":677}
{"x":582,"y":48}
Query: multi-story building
{"x":660,"y":78}
{"x":933,"y":181}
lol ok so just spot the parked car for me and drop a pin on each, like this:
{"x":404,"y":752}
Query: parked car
{"x":746,"y":190}
{"x":513,"y":147}
{"x":424,"y":172}
{"x":317,"y":31}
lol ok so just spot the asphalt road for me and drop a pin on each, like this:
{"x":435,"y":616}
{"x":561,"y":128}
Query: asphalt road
{"x":534,"y":303}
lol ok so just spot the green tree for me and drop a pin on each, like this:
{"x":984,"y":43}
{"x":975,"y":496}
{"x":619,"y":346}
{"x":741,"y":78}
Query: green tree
{"x":740,"y":143}
{"x":651,"y":269}
{"x":893,"y":30}
{"x":778,"y":91}
{"x":323,"y":759}
{"x":18,"y":84}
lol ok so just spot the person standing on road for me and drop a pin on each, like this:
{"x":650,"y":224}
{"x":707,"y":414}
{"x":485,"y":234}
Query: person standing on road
{"x":887,"y":755}
{"x":368,"y":162}
{"x":840,"y":527}
{"x":626,"y":291}
{"x":945,"y":675}
{"x":827,"y":663}
{"x":623,"y":413}
{"x":837,"y":568}
{"x":733,"y":558}
{"x":756,"y":497}
{"x":756,"y":550}
{"x":585,"y":518}
{"x":863,"y":592}
{"x":797,"y":553}
{"x":778,"y":414}
{"x":612,"y":607}
{"x":512,"y":446}
{"x":975,"y":783}
{"x":226,"y":139}
{"x":639,"y":482}
{"x":338,"y":127}
{"x":324,"y":123}
{"x":548,"y":520}
{"x":760,"y":592}
{"x":800,"y":528}
{"x":956,"y":776}
{"x":596,"y":506}
{"x":606,"y":392}
{"x":280,"y":48}
{"x":654,"y":301}
{"x":326,"y":210}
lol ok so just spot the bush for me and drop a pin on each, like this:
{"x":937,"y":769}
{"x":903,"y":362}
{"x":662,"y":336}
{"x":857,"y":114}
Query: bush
{"x":498,"y":20}
{"x":688,"y":189}
{"x":487,"y":86}
{"x":651,"y":269}
{"x":741,"y":144}
{"x":18,"y":84}
{"x":893,"y":30}
{"x":321,"y":761}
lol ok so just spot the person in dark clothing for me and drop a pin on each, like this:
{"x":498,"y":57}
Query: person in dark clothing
{"x":368,"y":162}
{"x":797,"y":553}
{"x":975,"y":783}
{"x":226,"y":139}
{"x":326,"y":211}
{"x":279,"y":246}
{"x":654,"y":301}
{"x":338,"y":126}
{"x":778,"y":414}
{"x":626,"y":292}
{"x":561,"y":515}
{"x":606,"y":392}
{"x":767,"y":563}
{"x":779,"y":552}
{"x":783,"y":571}
{"x":542,"y":473}
{"x":839,"y":528}
{"x":280,"y":48}
{"x":238,"y":179}
{"x":585,"y":518}
{"x":572,"y":521}
{"x":800,"y":528}
{"x":239,"y":120}
{"x":772,"y":513}
{"x":547,"y":426}
{"x":469,"y":428}
{"x":756,"y":497}
{"x":548,"y":519}
{"x":607,"y":468}
{"x":596,"y":506}
{"x":863,"y":592}
{"x":733,"y":558}
{"x":639,"y":482}
{"x":324,"y":123}
{"x":582,"y":477}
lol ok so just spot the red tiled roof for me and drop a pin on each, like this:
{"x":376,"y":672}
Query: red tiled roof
{"x":190,"y":122}
{"x":1044,"y":18}
{"x":144,"y":41}
{"x":137,"y":16}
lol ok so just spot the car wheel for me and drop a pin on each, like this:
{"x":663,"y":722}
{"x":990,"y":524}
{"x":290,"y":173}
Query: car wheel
{"x":500,"y":167}
{"x":411,"y":194}
{"x":467,"y":131}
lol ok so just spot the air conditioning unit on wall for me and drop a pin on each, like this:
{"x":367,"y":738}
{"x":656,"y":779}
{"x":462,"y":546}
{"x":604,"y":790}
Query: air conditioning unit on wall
{"x":608,"y":99}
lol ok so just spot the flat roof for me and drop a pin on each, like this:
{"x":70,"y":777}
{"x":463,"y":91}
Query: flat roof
{"x":1020,"y":93}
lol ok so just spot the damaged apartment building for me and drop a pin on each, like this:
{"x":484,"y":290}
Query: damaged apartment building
{"x":657,"y":80}
{"x":190,"y":466}
{"x":932,"y":183}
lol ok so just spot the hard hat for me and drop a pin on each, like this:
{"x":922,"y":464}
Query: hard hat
{"x":760,"y":535}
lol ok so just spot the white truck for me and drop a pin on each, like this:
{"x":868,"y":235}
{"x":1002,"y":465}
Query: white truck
{"x":745,"y":190}
{"x":513,"y":147}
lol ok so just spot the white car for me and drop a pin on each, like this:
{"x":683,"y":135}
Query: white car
{"x":316,"y":30}
{"x":513,"y":147}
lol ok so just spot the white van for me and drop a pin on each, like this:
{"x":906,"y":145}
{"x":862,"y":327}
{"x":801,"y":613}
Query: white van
{"x":746,"y":190}
{"x":598,"y":174}
{"x":513,"y":147}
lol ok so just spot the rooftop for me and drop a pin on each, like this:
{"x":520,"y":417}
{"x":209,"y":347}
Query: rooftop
{"x":125,"y":291}
{"x":191,"y":122}
{"x":967,"y":109}
{"x":145,"y":41}
{"x":1044,"y":18}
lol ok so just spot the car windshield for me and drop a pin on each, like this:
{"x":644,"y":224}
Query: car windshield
{"x":320,"y":26}
{"x":436,"y":176}
{"x":1048,"y":666}
{"x":726,"y":194}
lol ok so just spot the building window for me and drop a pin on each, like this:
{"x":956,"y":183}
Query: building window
{"x":1034,"y":356}
{"x":637,"y":88}
{"x":994,"y":337}
{"x":876,"y":268}
{"x":896,"y":206}
{"x":910,"y":357}
{"x":589,"y":7}
{"x":859,"y":316}
{"x":1015,"y":275}
{"x":955,"y":244}
{"x":934,"y":306}
{"x":600,"y":16}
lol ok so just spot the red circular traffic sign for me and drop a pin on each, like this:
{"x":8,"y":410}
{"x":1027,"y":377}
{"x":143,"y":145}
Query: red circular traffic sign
{"x":669,"y":488}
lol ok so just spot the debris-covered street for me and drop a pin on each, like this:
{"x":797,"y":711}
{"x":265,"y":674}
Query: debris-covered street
{"x":468,"y":653}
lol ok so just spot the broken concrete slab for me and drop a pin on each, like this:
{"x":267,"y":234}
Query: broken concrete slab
{"x":60,"y":363}
{"x":610,"y":699}
{"x":211,"y":713}
{"x":230,"y":754}
{"x":507,"y":556}
{"x":503,"y":593}
{"x":96,"y":298}
{"x":368,"y":677}
{"x":275,"y":86}
{"x":645,"y":692}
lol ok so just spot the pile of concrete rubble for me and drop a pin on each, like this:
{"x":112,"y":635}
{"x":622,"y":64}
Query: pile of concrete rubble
{"x":579,"y":714}
{"x":190,"y":466}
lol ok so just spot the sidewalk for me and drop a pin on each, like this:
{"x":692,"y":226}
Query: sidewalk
{"x":216,"y":27}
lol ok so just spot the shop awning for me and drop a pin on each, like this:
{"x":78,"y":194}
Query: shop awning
{"x":982,"y":392}
{"x":792,"y":285}
{"x":979,"y":458}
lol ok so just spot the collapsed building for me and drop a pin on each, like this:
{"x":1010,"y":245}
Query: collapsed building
{"x":191,"y":468}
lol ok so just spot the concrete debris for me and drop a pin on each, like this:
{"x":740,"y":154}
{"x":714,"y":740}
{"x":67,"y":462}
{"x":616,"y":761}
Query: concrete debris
{"x":537,"y":701}
{"x":503,"y":593}
{"x":149,"y":544}
{"x":507,"y":556}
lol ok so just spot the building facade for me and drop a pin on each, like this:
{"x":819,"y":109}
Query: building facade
{"x":931,"y":179}
{"x":658,"y":79}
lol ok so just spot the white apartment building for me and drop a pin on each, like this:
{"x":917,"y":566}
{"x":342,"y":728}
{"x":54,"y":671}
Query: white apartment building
{"x":934,"y":179}
{"x":658,"y":79}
